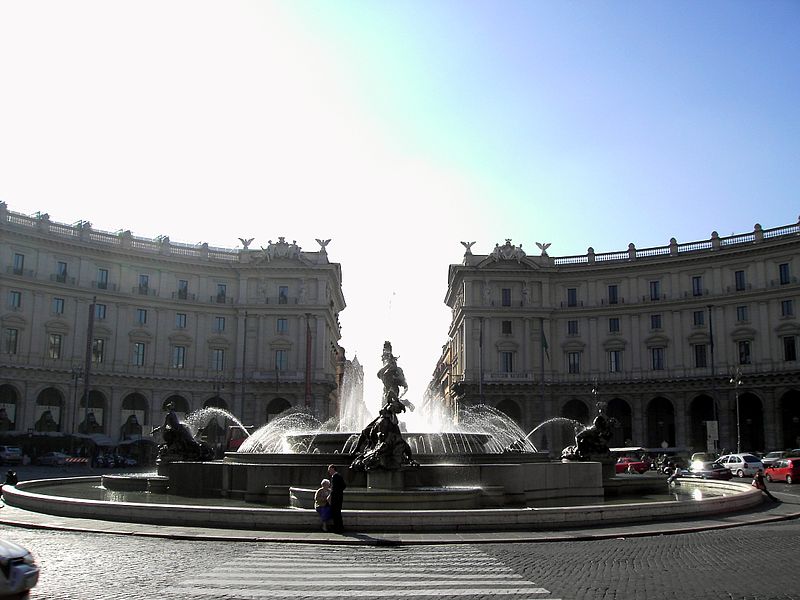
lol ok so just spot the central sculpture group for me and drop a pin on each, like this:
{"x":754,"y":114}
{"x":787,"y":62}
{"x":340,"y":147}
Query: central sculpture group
{"x":381,"y":444}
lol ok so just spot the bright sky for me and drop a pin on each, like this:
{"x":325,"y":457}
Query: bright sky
{"x":399,"y":129}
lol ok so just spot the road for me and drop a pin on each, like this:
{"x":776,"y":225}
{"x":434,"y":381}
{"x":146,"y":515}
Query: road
{"x":755,"y":562}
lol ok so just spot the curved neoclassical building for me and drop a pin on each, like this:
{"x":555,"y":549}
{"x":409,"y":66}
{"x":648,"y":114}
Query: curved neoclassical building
{"x":657,"y":334}
{"x":251,"y":331}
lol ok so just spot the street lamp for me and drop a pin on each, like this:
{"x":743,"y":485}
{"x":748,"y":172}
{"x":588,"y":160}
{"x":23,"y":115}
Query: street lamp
{"x":736,"y":382}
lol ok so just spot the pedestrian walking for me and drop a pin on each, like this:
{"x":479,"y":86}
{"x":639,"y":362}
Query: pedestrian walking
{"x":322,"y":503}
{"x":758,"y":482}
{"x":336,"y":499}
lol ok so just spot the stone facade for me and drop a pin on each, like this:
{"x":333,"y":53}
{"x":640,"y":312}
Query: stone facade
{"x":658,"y":334}
{"x":252,"y":331}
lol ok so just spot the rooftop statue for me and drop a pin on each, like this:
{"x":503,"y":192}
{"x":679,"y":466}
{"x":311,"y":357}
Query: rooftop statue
{"x":381,"y":444}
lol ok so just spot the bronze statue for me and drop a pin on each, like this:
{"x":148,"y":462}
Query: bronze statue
{"x":179,"y":443}
{"x":592,"y":440}
{"x":381,"y":444}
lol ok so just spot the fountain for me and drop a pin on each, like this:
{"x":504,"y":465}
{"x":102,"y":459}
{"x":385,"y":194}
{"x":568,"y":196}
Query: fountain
{"x":483,"y":473}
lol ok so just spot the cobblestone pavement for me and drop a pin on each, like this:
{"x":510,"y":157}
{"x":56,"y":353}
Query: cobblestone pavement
{"x":753,"y":562}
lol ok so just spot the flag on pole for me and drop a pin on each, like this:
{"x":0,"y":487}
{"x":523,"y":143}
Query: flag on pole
{"x":545,"y":347}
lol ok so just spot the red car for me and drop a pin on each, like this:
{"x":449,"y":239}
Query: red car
{"x":785,"y":469}
{"x":625,"y":464}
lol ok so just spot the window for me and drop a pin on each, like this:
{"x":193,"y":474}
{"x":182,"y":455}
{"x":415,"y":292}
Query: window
{"x":99,"y":311}
{"x":283,"y":294}
{"x":789,"y":348}
{"x":655,"y":290}
{"x":180,"y":320}
{"x":574,"y":362}
{"x":787,"y":308}
{"x":506,"y":327}
{"x":507,"y":362}
{"x":219,"y":324}
{"x":697,"y":285}
{"x":98,"y":350}
{"x":657,"y":358}
{"x":19,"y":263}
{"x":144,"y":284}
{"x":700,"y":361}
{"x":742,"y":314}
{"x":54,"y":346}
{"x":506,"y":296}
{"x":282,"y":326}
{"x":613,"y":325}
{"x":281,"y":360}
{"x":178,"y":357}
{"x":613,"y":294}
{"x":572,"y":296}
{"x":138,"y":354}
{"x":615,"y":361}
{"x":102,"y":279}
{"x":738,"y":277}
{"x":14,"y":299}
{"x":222,"y":292}
{"x":58,"y":306}
{"x":699,"y":318}
{"x":61,"y":271}
{"x":783,"y":273}
{"x":217,"y":359}
{"x":183,"y":289}
{"x":11,"y":339}
{"x":655,"y":322}
{"x":744,"y":352}
{"x":141,"y":316}
{"x":572,"y":328}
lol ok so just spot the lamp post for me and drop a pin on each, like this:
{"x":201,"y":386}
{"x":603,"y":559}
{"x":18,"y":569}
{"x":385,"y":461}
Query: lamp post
{"x":736,"y":382}
{"x":77,"y":373}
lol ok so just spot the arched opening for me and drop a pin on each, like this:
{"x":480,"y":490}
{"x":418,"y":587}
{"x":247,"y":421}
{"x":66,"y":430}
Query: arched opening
{"x":576,"y":410}
{"x":701,"y":412}
{"x":134,"y":414}
{"x":93,"y":414}
{"x":179,"y":404}
{"x":511,"y":409}
{"x":8,"y":407}
{"x":660,"y":423}
{"x":276,"y":407}
{"x":49,"y":405}
{"x":216,"y":402}
{"x":751,"y":422}
{"x":790,"y":419}
{"x":622,"y":428}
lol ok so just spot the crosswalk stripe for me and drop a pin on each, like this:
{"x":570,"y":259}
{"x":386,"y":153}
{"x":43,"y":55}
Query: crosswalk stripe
{"x":359,"y":573}
{"x":272,"y":593}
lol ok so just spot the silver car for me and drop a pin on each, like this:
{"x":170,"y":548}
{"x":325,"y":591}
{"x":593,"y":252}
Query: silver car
{"x":18,"y":570}
{"x":741,"y":465}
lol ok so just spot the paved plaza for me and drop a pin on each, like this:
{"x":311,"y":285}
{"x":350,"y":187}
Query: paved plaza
{"x":747,"y":557}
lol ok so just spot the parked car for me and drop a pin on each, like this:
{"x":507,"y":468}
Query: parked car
{"x":741,"y":465}
{"x":10,"y":455}
{"x":785,"y":469}
{"x":774,"y":456}
{"x":52,"y":459}
{"x":703,"y":457}
{"x":626,"y":464}
{"x":18,"y":569}
{"x":707,"y":469}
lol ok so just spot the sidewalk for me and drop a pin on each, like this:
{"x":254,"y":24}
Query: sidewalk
{"x":789,"y":508}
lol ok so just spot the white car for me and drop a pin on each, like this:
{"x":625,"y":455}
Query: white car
{"x":18,"y":570}
{"x":741,"y":465}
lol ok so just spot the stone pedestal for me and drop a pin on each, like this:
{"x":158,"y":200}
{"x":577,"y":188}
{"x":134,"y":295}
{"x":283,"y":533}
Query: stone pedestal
{"x":385,"y":480}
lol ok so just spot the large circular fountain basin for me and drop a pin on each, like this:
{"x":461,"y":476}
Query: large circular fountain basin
{"x":702,"y":498}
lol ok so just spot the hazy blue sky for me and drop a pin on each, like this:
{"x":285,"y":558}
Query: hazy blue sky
{"x":399,"y":129}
